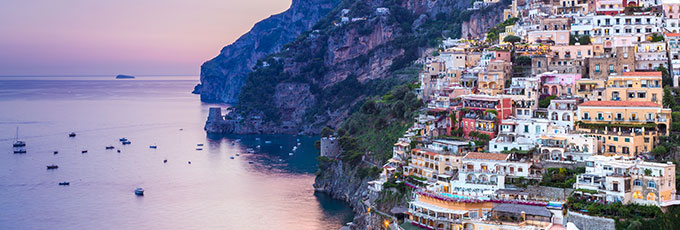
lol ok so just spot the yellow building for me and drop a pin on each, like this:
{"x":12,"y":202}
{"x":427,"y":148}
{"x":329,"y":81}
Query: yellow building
{"x":433,"y":164}
{"x":492,"y":81}
{"x":590,"y":89}
{"x":442,"y":212}
{"x":623,"y":127}
{"x":635,"y":86}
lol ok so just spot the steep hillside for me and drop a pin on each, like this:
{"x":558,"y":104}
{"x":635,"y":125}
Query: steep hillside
{"x":348,"y":56}
{"x":223,"y":76}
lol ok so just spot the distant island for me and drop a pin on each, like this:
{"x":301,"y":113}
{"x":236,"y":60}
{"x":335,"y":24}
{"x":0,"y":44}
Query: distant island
{"x":121,"y":76}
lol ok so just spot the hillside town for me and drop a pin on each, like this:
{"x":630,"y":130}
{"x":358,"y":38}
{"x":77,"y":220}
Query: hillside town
{"x":563,"y":102}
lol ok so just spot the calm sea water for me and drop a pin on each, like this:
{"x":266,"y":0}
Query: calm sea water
{"x":213,"y":192}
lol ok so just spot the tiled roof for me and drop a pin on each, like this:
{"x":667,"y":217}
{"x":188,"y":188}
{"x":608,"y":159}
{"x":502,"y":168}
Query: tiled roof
{"x":672,"y":34}
{"x":644,"y":74}
{"x":620,"y":104}
{"x":487,"y":156}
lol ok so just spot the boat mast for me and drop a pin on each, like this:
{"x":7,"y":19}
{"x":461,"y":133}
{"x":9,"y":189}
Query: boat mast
{"x":17,"y":136}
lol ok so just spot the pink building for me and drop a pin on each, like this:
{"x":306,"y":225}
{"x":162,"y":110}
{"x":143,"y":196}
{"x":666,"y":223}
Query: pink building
{"x":559,"y":84}
{"x":555,"y":37}
{"x":482,"y":114}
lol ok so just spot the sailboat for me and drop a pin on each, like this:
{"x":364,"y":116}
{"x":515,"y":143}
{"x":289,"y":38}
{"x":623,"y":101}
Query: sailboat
{"x":19,"y":145}
{"x":17,"y":142}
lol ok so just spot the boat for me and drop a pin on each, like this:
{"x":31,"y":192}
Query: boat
{"x":17,"y":142}
{"x":294,"y":148}
{"x":258,"y":146}
{"x":267,"y":142}
{"x":189,"y":162}
{"x":139,"y":192}
{"x":126,"y":142}
{"x":153,"y":146}
{"x":299,"y":143}
{"x":238,"y":140}
{"x":231,"y":158}
{"x":199,"y":149}
{"x":52,"y":167}
{"x":199,"y":144}
{"x":238,"y":154}
{"x":290,"y":154}
{"x":250,"y":162}
{"x":56,"y":152}
{"x":19,"y":150}
{"x":110,"y":147}
{"x":250,"y":150}
{"x":281,"y":147}
{"x":233,"y":143}
{"x":118,"y":151}
{"x":257,"y":138}
{"x":165,"y":161}
{"x":72,"y":134}
{"x":123,"y":139}
{"x":65,"y":183}
{"x":84,"y":151}
{"x":123,"y":76}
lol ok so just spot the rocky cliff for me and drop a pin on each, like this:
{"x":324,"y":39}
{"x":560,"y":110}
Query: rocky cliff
{"x":480,"y":21}
{"x":223,"y":76}
{"x":348,"y":56}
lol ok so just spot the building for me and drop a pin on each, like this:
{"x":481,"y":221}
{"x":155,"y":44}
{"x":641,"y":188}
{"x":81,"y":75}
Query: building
{"x":651,"y":55}
{"x":591,"y":90}
{"x":492,"y":80}
{"x":620,"y":61}
{"x":561,"y":111}
{"x":567,"y":147}
{"x":559,"y":84}
{"x":488,"y":171}
{"x":434,"y":211}
{"x":552,"y":37}
{"x":673,"y":41}
{"x":481,"y":113}
{"x":635,"y":86}
{"x":625,"y":128}
{"x":628,"y":181}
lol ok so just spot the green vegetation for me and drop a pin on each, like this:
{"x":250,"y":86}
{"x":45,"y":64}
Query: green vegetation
{"x":493,"y":32}
{"x":630,"y":216}
{"x":582,"y":40}
{"x":545,"y":102}
{"x":560,"y":177}
{"x":657,"y":38}
{"x":668,"y":100}
{"x":512,"y":39}
{"x":378,"y":124}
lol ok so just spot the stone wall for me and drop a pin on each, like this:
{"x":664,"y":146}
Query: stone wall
{"x":329,"y":147}
{"x":585,"y":222}
{"x":549,"y":192}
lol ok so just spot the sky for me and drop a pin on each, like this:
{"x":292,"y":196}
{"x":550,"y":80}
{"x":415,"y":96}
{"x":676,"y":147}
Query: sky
{"x":109,"y":37}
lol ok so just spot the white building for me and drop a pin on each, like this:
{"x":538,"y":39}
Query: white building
{"x":650,"y":55}
{"x":486,"y":172}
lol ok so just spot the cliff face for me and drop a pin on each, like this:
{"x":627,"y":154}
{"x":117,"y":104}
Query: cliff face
{"x":480,"y":21}
{"x":223,"y":76}
{"x":348,"y":56}
{"x":343,"y":184}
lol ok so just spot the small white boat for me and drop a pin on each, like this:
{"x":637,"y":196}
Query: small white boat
{"x":139,"y":192}
{"x":257,"y":138}
{"x":238,"y":140}
{"x":258,"y":146}
{"x":290,"y":154}
{"x":294,"y":148}
{"x":267,"y":142}
{"x":299,"y":143}
{"x":281,"y":147}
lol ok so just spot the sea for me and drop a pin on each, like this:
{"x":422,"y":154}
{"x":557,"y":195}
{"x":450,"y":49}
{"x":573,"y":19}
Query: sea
{"x":186,"y":186}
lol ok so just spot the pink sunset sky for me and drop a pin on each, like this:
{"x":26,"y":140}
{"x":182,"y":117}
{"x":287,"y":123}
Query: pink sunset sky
{"x":107,"y":37}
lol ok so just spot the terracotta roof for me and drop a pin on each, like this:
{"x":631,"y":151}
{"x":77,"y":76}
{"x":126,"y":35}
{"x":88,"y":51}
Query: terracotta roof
{"x":487,"y":156}
{"x":672,"y":34}
{"x":645,"y":74}
{"x":620,"y":104}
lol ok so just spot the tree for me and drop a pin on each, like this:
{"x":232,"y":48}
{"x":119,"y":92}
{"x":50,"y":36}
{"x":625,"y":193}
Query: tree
{"x":666,"y":79}
{"x":659,"y":151}
{"x":584,"y":40}
{"x":326,"y":131}
{"x":656,"y":38}
{"x":512,"y":39}
{"x":668,"y":100}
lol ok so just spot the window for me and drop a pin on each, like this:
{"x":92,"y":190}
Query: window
{"x":538,"y":63}
{"x":626,"y":139}
{"x":641,"y":95}
{"x":637,"y":182}
{"x":628,"y":83}
{"x":646,"y":139}
{"x":526,"y":128}
{"x":651,"y":184}
{"x":586,"y":116}
{"x":611,"y":68}
{"x":616,"y":138}
{"x":597,"y":68}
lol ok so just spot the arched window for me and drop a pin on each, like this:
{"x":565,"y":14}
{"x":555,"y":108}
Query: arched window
{"x":651,"y":184}
{"x":637,"y":182}
{"x":651,"y":196}
{"x":566,"y":117}
{"x":637,"y":195}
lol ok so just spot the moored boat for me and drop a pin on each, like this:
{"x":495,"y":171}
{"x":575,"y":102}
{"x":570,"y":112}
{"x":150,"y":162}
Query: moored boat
{"x":52,"y":167}
{"x":56,"y":152}
{"x":123,"y":139}
{"x":17,"y":142}
{"x":139,"y":192}
{"x":65,"y":183}
{"x":126,"y":142}
{"x":19,"y":150}
{"x":110,"y":147}
{"x":84,"y":151}
{"x":153,"y":146}
{"x":72,"y":134}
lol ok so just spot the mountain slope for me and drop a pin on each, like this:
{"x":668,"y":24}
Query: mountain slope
{"x":350,"y":55}
{"x":223,"y":76}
